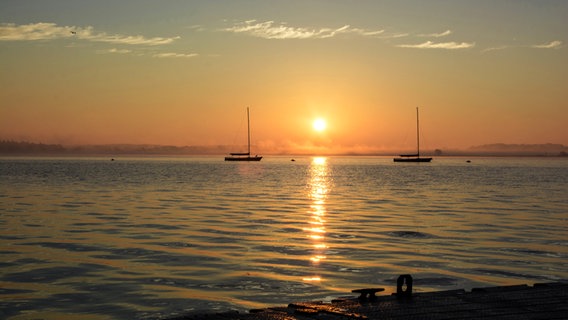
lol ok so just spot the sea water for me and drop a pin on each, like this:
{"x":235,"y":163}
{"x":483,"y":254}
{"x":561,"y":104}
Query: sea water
{"x":149,"y":238}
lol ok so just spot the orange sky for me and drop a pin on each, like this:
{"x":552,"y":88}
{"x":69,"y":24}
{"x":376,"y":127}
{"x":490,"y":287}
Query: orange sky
{"x":180,"y":73}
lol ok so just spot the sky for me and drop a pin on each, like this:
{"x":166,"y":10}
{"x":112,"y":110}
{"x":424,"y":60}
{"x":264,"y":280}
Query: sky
{"x":183,"y":73}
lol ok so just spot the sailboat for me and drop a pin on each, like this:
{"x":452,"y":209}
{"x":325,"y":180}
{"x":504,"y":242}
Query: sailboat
{"x":414,"y":157}
{"x":244,"y":156}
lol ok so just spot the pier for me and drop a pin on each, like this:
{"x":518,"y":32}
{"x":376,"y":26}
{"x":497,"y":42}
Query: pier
{"x":539,"y":301}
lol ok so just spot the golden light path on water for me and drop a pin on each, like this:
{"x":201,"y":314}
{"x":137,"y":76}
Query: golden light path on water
{"x":319,"y":186}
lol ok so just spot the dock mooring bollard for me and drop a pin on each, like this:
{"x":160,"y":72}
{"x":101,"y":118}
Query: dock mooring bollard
{"x":400,"y":282}
{"x":368,"y":293}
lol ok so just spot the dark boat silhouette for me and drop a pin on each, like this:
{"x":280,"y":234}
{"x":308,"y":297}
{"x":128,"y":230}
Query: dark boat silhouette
{"x":244,"y":156}
{"x":415,"y":157}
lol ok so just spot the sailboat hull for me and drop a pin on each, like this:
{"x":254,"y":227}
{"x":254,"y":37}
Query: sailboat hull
{"x":255,"y":158}
{"x":412,"y":159}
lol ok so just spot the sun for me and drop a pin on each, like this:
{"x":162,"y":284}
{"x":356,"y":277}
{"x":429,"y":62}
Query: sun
{"x":319,"y":125}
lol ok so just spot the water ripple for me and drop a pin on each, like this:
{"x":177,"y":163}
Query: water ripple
{"x":151,"y":238}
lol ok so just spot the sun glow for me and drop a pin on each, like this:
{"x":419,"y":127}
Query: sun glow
{"x":319,"y":124}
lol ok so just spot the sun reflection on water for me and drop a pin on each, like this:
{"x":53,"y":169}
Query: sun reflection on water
{"x":318,"y":188}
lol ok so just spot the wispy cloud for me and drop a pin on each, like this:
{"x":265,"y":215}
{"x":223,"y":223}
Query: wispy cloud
{"x":394,"y":35}
{"x":51,"y":31}
{"x":436,"y":35}
{"x":552,"y":45}
{"x":175,"y":55}
{"x":439,"y":45}
{"x":115,"y":50}
{"x":271,"y":30}
{"x":495,"y":49}
{"x":143,"y":53}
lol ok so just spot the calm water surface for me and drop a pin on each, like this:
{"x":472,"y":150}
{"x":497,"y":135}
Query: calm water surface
{"x":90,"y":238}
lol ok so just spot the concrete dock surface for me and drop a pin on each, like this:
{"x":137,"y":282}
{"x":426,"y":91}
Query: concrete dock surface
{"x":539,"y":301}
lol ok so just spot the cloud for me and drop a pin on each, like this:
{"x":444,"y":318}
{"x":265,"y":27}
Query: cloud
{"x":175,"y":55}
{"x":115,"y":50}
{"x":495,"y":49}
{"x":552,"y":45}
{"x":363,"y":32}
{"x":440,"y":45}
{"x":436,"y":35}
{"x":394,"y":35}
{"x":51,"y":31}
{"x":271,"y":30}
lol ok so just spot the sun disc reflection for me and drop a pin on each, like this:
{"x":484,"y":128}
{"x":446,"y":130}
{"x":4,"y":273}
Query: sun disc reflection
{"x":312,"y":279}
{"x":319,"y":161}
{"x":319,"y":185}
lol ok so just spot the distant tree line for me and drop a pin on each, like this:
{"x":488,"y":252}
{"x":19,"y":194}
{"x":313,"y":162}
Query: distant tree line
{"x":9,"y":146}
{"x":545,"y":149}
{"x":22,"y":147}
{"x":30,"y":148}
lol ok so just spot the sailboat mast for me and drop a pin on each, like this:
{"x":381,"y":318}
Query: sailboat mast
{"x":414,"y":157}
{"x":417,"y":133}
{"x":248,"y":131}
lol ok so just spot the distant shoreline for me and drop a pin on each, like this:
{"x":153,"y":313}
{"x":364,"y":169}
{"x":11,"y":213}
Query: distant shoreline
{"x":17,"y":148}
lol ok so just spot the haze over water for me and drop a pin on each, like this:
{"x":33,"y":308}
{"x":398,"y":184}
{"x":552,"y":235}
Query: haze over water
{"x":154,"y":237}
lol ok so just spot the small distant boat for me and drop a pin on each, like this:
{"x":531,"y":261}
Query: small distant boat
{"x":244,"y":156}
{"x":416,"y":156}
